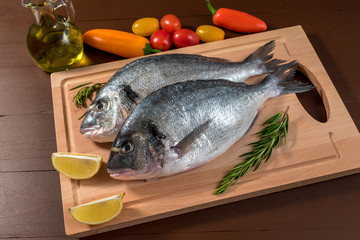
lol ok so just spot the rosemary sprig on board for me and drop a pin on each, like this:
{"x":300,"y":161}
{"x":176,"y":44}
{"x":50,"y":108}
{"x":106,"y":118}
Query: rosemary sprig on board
{"x":272,"y":135}
{"x":85,"y":93}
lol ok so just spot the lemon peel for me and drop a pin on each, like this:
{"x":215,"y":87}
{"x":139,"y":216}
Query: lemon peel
{"x":76,"y":165}
{"x":98,"y":211}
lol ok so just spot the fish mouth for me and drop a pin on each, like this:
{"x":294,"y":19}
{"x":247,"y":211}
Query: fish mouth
{"x":98,"y":134}
{"x":89,"y":130}
{"x":122,"y":174}
{"x":131,"y":174}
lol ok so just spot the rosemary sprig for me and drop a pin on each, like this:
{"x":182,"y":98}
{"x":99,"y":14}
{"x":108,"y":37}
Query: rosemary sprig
{"x":85,"y":93}
{"x":78,"y":86}
{"x":272,"y":135}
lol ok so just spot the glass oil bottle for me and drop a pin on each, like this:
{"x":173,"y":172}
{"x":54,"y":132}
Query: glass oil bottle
{"x":53,"y":40}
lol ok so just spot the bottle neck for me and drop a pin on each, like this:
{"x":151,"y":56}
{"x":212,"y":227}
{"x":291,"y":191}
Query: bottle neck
{"x":43,"y":16}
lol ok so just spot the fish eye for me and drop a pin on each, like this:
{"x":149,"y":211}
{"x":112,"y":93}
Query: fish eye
{"x":101,"y":105}
{"x":127,"y":147}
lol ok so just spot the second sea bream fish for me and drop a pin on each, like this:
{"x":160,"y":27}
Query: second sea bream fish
{"x":138,"y":79}
{"x":187,"y":124}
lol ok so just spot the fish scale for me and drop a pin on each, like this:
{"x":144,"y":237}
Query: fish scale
{"x":136,"y":80}
{"x":197,"y":121}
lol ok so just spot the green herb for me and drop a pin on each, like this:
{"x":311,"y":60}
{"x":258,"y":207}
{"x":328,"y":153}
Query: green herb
{"x":81,"y":85}
{"x":273,"y":134}
{"x":82,"y":116}
{"x":85,"y":93}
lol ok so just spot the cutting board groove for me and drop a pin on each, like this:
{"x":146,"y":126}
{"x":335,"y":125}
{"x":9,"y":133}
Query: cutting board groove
{"x":314,"y":151}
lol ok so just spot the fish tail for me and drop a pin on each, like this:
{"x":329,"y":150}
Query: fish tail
{"x":284,"y":82}
{"x":262,"y":58}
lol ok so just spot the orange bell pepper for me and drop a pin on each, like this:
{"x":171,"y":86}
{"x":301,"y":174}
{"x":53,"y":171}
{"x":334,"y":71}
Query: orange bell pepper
{"x":121,"y":43}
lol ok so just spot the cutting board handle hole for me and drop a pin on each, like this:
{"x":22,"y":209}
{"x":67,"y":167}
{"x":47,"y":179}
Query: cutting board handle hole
{"x":311,"y":101}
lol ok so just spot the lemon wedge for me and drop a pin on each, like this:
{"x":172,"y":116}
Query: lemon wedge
{"x":76,"y":165}
{"x":99,"y":211}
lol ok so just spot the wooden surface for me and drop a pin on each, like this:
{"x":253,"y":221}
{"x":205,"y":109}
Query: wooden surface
{"x":30,"y":197}
{"x":314,"y":151}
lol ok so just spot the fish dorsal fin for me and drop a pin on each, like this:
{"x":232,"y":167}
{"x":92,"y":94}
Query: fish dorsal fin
{"x":184,"y":145}
{"x":131,"y":94}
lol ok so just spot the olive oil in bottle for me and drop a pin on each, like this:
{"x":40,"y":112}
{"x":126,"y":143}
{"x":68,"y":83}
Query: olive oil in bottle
{"x":56,"y":47}
{"x":53,"y":40}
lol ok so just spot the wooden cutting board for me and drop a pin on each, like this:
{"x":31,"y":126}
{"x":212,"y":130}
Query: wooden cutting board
{"x":314,"y":151}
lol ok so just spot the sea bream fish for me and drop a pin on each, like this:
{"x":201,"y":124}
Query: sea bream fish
{"x":187,"y":124}
{"x":138,"y":79}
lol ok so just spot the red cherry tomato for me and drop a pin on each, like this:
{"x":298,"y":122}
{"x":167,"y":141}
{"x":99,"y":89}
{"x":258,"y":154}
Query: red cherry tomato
{"x":185,"y":37}
{"x":170,"y":23}
{"x":161,"y":40}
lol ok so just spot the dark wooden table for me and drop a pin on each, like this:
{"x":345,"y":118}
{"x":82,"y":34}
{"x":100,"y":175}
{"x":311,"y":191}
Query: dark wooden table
{"x":30,"y":200}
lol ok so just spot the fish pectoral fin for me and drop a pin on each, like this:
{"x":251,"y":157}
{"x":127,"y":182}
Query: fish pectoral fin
{"x":253,"y":122}
{"x":184,"y":145}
